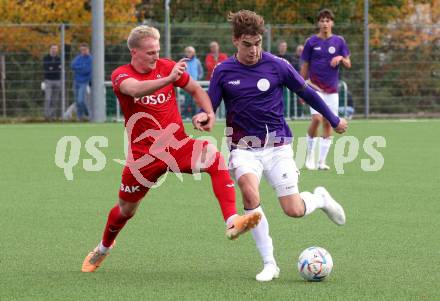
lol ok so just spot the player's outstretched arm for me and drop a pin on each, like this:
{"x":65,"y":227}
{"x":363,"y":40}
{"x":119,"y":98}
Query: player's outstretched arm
{"x":315,"y":101}
{"x":136,"y":88}
{"x":204,"y":120}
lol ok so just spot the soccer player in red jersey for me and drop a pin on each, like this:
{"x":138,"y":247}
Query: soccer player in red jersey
{"x":158,"y":142}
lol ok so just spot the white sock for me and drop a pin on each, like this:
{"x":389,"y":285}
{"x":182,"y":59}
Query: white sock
{"x":324,"y":145}
{"x":311,"y":201}
{"x":261,"y":236}
{"x":311,"y":143}
{"x":102,"y":249}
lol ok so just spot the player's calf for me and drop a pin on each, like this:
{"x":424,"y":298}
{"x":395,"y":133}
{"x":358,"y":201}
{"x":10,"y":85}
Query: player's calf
{"x":292,"y":205}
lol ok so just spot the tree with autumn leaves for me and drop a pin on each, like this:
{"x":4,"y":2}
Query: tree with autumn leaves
{"x":403,"y":54}
{"x":55,"y":12}
{"x":202,"y":11}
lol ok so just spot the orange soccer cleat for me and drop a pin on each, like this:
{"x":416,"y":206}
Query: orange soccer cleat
{"x":243,"y":223}
{"x":93,"y":260}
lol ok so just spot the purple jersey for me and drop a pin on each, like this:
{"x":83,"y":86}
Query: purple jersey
{"x":253,"y":97}
{"x":319,"y":53}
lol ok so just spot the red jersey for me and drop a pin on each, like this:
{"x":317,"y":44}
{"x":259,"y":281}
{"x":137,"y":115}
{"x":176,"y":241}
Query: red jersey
{"x":160,"y":107}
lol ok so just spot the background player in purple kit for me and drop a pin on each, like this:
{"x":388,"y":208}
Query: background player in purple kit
{"x":322,"y":55}
{"x":251,"y":84}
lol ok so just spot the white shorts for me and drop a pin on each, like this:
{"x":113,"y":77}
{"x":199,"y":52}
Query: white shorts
{"x":331,"y":100}
{"x":276,"y":163}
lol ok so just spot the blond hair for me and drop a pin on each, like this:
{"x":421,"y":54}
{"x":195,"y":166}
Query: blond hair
{"x":139,"y":33}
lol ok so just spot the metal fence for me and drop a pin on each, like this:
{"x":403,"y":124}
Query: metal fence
{"x":404,"y":70}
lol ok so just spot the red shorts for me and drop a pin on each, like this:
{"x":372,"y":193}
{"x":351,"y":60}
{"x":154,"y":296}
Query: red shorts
{"x":136,"y":182}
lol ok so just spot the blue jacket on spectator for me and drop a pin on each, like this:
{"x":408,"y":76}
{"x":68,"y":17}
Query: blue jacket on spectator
{"x":195,"y":68}
{"x":82,"y":67}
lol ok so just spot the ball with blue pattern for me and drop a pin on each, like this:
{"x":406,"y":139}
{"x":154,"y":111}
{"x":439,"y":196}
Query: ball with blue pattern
{"x":315,"y":264}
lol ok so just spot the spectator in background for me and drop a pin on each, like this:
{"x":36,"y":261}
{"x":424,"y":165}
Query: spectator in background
{"x":296,"y":61}
{"x":82,"y":68}
{"x":52,"y":84}
{"x":289,"y":110}
{"x":195,"y":70}
{"x":282,"y":52}
{"x":213,"y":58}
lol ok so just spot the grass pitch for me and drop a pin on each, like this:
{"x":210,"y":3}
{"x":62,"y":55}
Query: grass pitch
{"x":174,"y":248}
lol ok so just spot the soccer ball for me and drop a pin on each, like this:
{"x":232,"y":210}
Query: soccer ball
{"x":315,"y":264}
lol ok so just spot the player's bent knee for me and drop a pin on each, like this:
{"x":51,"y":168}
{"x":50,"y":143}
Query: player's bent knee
{"x":128,"y":212}
{"x":128,"y":208}
{"x":251,"y":202}
{"x":317,"y":119}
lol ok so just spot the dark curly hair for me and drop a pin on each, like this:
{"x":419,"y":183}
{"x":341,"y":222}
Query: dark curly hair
{"x":246,"y":22}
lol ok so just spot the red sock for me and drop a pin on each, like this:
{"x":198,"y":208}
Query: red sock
{"x":115,"y":222}
{"x":223,"y":186}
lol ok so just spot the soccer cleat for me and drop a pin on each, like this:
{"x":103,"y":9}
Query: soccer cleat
{"x":323,"y":166}
{"x":270,"y":271}
{"x":332,"y":208}
{"x":243,"y":223}
{"x":310,"y":161}
{"x":93,"y":260}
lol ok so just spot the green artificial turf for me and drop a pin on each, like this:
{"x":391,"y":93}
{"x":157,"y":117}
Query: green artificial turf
{"x":174,"y":248}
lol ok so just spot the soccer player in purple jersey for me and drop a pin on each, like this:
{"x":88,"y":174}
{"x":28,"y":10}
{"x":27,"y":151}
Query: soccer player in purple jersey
{"x":322,"y":55}
{"x":251,"y":84}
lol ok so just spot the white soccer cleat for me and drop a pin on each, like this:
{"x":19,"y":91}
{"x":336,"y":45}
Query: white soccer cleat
{"x":332,"y":208}
{"x":310,"y":161}
{"x":323,"y":166}
{"x":270,"y":271}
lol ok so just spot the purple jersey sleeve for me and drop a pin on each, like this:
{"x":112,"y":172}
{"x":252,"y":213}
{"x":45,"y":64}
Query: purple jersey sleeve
{"x":215,"y":89}
{"x":344,"y":48}
{"x":315,"y":101}
{"x":307,"y":52}
{"x":290,"y":77}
